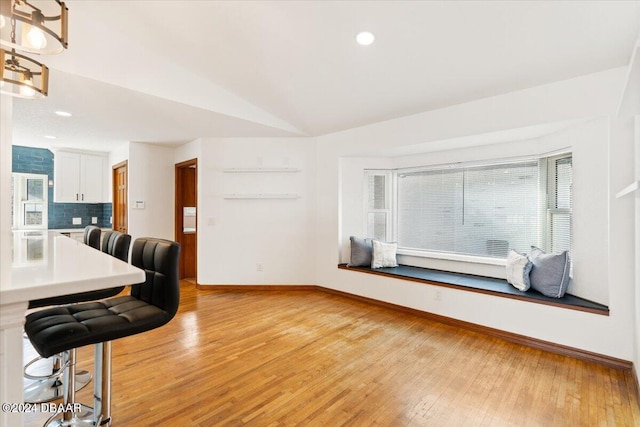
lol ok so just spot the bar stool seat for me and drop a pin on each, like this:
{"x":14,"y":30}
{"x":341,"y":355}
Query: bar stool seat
{"x":150,"y":305}
{"x":58,"y":329}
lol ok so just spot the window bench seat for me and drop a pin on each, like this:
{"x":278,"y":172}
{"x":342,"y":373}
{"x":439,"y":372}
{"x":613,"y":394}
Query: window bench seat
{"x":485,"y":285}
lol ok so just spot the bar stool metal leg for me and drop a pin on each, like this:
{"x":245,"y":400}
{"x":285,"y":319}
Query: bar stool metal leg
{"x":102,"y":385}
{"x":71,"y":415}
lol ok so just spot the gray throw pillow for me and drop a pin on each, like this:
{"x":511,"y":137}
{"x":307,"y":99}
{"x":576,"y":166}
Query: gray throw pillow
{"x":550,"y":272}
{"x":361,"y":252}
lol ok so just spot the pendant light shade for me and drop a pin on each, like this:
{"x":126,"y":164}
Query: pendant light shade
{"x":22,"y":76}
{"x":33,"y":26}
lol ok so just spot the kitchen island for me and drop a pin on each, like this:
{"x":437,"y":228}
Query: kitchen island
{"x":41,"y":264}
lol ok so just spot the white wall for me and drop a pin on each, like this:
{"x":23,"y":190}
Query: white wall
{"x":151,"y":181}
{"x":6,"y":114}
{"x":235,"y":235}
{"x":188,"y":151}
{"x":590,"y":96}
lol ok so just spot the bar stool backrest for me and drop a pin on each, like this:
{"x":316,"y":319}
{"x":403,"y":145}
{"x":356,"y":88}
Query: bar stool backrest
{"x":116,"y":244}
{"x":159,"y":259}
{"x":92,"y":236}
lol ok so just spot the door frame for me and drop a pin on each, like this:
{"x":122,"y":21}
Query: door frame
{"x":114,"y":168}
{"x":179,"y":223}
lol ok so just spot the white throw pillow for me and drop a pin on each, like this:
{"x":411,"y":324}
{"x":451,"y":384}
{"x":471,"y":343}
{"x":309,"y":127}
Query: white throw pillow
{"x":518,"y":269}
{"x":384,"y":254}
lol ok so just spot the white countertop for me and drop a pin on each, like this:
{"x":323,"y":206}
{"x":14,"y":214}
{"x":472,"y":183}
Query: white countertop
{"x":46,"y":263}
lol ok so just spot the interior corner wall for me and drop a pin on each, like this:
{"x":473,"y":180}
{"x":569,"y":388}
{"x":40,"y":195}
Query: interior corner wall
{"x":151,"y":170}
{"x":586,"y":97}
{"x":244,"y":239}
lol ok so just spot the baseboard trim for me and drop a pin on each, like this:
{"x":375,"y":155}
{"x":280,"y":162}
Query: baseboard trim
{"x":551,"y":347}
{"x":256,"y":287}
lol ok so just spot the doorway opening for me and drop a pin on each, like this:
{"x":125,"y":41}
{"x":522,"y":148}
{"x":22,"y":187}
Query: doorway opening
{"x":186,"y":204}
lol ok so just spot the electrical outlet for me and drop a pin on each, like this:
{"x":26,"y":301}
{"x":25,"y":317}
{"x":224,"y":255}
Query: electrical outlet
{"x":76,"y":221}
{"x":94,"y":220}
{"x":438,"y":295}
{"x":259,"y":266}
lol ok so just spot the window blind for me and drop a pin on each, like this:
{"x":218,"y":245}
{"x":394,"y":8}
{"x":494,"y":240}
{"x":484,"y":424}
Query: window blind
{"x":560,"y":225}
{"x":482,"y":210}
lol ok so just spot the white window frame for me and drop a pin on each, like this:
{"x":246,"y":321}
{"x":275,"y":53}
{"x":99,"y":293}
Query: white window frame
{"x":389,"y":201}
{"x":547,"y":198}
{"x":20,"y":199}
{"x":551,"y":208}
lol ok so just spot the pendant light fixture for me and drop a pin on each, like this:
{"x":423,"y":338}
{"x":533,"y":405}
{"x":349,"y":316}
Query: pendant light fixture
{"x":22,"y":76}
{"x":35,"y":26}
{"x":29,"y":26}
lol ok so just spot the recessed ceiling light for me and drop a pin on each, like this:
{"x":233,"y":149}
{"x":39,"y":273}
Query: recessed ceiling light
{"x":365,"y":38}
{"x":63,"y":113}
{"x":51,"y":137}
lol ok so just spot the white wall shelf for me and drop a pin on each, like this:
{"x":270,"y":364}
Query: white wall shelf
{"x":260,"y":170}
{"x":262,"y":196}
{"x":628,"y":189}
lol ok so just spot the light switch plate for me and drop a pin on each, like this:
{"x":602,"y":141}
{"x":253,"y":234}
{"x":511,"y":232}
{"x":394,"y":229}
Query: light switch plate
{"x":76,"y":221}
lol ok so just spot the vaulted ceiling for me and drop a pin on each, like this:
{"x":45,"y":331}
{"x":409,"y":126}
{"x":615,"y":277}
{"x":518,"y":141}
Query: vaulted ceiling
{"x":170,"y":71}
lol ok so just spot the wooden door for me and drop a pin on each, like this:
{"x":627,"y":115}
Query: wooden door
{"x":186,"y":217}
{"x":120,"y":197}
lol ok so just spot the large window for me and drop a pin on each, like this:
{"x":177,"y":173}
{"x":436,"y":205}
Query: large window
{"x":480,"y":210}
{"x":29,"y":201}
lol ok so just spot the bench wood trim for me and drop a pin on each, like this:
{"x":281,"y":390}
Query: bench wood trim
{"x":549,"y":301}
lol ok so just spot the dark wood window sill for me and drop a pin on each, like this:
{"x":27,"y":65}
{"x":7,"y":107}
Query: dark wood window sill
{"x":479,"y":284}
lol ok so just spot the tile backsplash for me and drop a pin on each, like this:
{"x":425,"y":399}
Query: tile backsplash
{"x":40,"y":161}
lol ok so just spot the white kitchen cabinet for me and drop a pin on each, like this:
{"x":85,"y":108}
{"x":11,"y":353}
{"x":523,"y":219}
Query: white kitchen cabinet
{"x":79,"y":177}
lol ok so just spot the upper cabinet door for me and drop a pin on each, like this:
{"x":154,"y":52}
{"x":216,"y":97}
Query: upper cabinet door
{"x":91,"y":178}
{"x":79,"y":178}
{"x":66,"y":177}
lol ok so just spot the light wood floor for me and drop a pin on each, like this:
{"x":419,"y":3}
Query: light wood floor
{"x":272,"y":358}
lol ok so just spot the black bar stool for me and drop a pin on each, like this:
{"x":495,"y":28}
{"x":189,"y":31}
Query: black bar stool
{"x":50,"y":387}
{"x":150,"y":305}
